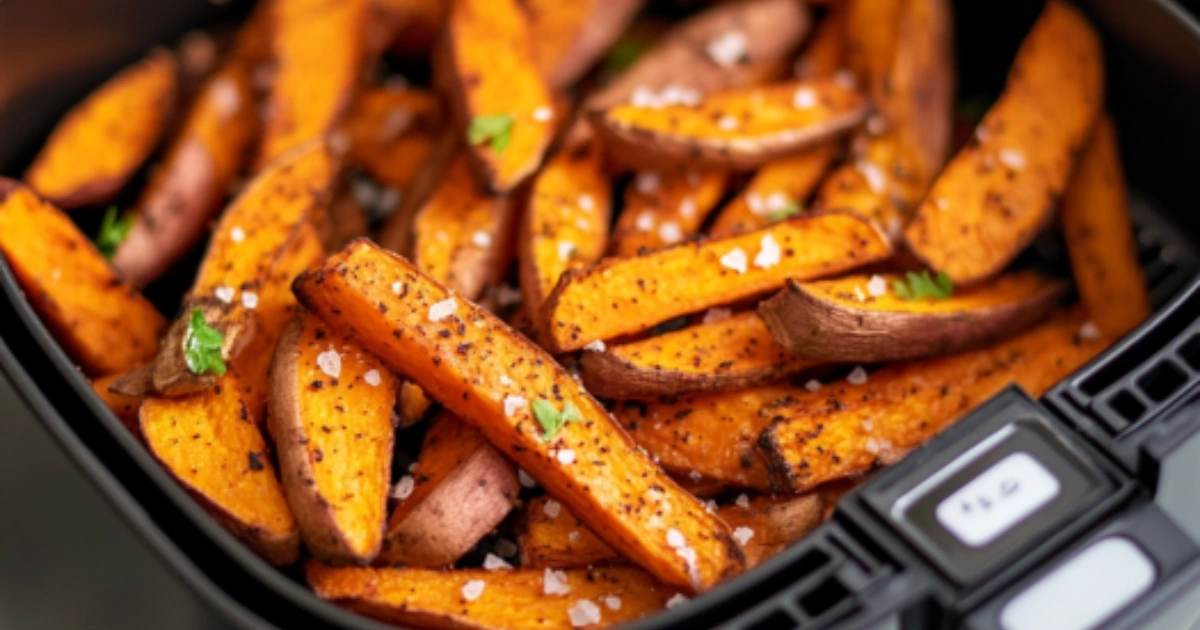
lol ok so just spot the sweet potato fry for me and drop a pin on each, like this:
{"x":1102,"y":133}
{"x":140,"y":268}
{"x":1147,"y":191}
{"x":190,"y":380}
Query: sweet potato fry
{"x":856,"y":428}
{"x":319,"y":52}
{"x":331,"y":418}
{"x":733,"y":353}
{"x":879,"y":184}
{"x":568,"y":37}
{"x":730,"y":45}
{"x":917,"y":95}
{"x":125,"y":408}
{"x":778,"y":190}
{"x":1099,"y":238}
{"x":662,"y":209}
{"x":825,"y":53}
{"x":461,"y":237}
{"x":101,"y":143}
{"x":737,"y":129}
{"x":260,"y":244}
{"x":862,"y":319}
{"x":712,"y":435}
{"x":103,"y":323}
{"x":476,"y":599}
{"x":497,"y":93}
{"x":565,"y":225}
{"x":462,"y":488}
{"x":392,"y":131}
{"x":485,"y":373}
{"x":553,"y":537}
{"x":623,"y":296}
{"x":397,"y":233}
{"x":190,"y":186}
{"x":412,"y":406}
{"x":997,"y":194}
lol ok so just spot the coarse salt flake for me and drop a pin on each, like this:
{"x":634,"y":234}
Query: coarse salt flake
{"x":225,"y":294}
{"x":769,"y":254}
{"x":506,"y":381}
{"x":804,"y":98}
{"x":584,"y":613}
{"x":596,"y":346}
{"x":728,"y":49}
{"x":857,"y":376}
{"x":573,"y":536}
{"x":586,"y":203}
{"x":727,"y":123}
{"x":677,"y":600}
{"x":513,"y":404}
{"x":742,"y":501}
{"x":250,"y":300}
{"x":644,"y":221}
{"x":877,"y":286}
{"x":648,"y":182}
{"x":543,"y":114}
{"x":813,"y":385}
{"x":735,"y":260}
{"x":688,"y":208}
{"x":716,"y":314}
{"x":237,"y":234}
{"x":552,"y":508}
{"x":778,"y":201}
{"x":756,"y":204}
{"x":675,"y":538}
{"x":743,"y":535}
{"x":525,"y":479}
{"x":695,"y":476}
{"x":404,"y":488}
{"x":670,"y":232}
{"x":472,"y":590}
{"x":613,"y":602}
{"x":397,"y":287}
{"x":442,"y":310}
{"x":876,"y":179}
{"x":1089,"y":331}
{"x":373,"y":378}
{"x":555,"y":583}
{"x":492,"y":562}
{"x":1011,"y":158}
{"x":225,"y":96}
{"x":566,"y":456}
{"x":481,"y":239}
{"x":565,"y":249}
{"x":330,"y":363}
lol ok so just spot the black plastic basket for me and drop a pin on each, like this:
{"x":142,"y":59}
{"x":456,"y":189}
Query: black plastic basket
{"x":852,"y":572}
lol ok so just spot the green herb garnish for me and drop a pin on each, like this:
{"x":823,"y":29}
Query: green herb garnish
{"x":922,"y":285}
{"x":202,"y":346}
{"x":624,"y":53}
{"x":789,"y":210}
{"x":496,"y":128}
{"x":553,"y":420}
{"x":112,"y":232}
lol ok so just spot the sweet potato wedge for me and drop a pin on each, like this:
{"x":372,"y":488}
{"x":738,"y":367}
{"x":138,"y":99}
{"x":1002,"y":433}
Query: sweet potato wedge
{"x":825,"y":54}
{"x":497,"y":94}
{"x":104,"y":324}
{"x":629,"y":295}
{"x":856,"y":428}
{"x":476,"y":599}
{"x":487,"y":374}
{"x":102,"y":142}
{"x":1099,"y":238}
{"x":565,"y":225}
{"x":662,"y":209}
{"x":710,"y":436}
{"x":730,"y":45}
{"x":918,"y":93}
{"x":190,"y":186}
{"x":736,"y":129}
{"x":392,"y":131}
{"x":462,"y":488}
{"x":828,"y":320}
{"x":461,"y":236}
{"x":778,"y":190}
{"x":319,"y":52}
{"x":331,"y":418}
{"x":733,"y":353}
{"x":397,"y":232}
{"x":125,"y":408}
{"x":879,"y":184}
{"x":264,"y":239}
{"x":568,"y":37}
{"x":998,"y":193}
{"x":555,"y":538}
{"x":412,"y":406}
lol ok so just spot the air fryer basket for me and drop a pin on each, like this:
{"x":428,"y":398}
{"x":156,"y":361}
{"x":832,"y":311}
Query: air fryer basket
{"x":53,"y":52}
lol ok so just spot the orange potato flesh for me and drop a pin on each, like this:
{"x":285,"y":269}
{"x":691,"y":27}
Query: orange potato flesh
{"x":852,"y":429}
{"x":738,"y":129}
{"x":461,"y":235}
{"x":997,"y":194}
{"x":841,"y":320}
{"x":334,"y":439}
{"x":565,"y":225}
{"x":1100,"y":241}
{"x":825,"y":53}
{"x":665,"y":213}
{"x":392,"y":131}
{"x":711,"y":435}
{"x":101,"y":143}
{"x":510,"y":599}
{"x":491,"y":71}
{"x":879,"y":185}
{"x":487,"y":374}
{"x":104,"y":324}
{"x":462,"y":489}
{"x":788,"y":180}
{"x":125,"y":408}
{"x":733,"y":353}
{"x":629,"y":295}
{"x":190,"y":186}
{"x":555,"y":538}
{"x":412,"y":406}
{"x":568,"y":37}
{"x":314,"y":83}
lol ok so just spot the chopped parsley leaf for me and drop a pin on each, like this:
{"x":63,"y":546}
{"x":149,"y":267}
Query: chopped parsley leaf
{"x":496,"y":128}
{"x":791,"y":209}
{"x":202,"y":346}
{"x":921,"y":285}
{"x":113,"y":232}
{"x":553,"y":420}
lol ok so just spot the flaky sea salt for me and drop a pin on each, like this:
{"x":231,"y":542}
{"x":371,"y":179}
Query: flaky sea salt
{"x":670,"y":232}
{"x":596,"y":346}
{"x":876,"y":179}
{"x":373,"y":378}
{"x":648,"y":182}
{"x":813,"y":385}
{"x":552,"y":508}
{"x":225,"y":294}
{"x":566,"y":457}
{"x":613,"y":602}
{"x":442,"y":310}
{"x":769,"y":254}
{"x":473,"y":590}
{"x":481,"y":239}
{"x":584,"y":613}
{"x":250,"y":300}
{"x":728,"y":49}
{"x":237,"y":234}
{"x":644,"y":221}
{"x":397,"y":287}
{"x":565,"y":249}
{"x":1089,"y":331}
{"x":492,"y":562}
{"x":687,"y":208}
{"x":716,"y":314}
{"x":1011,"y":158}
{"x":677,"y":600}
{"x":404,"y":488}
{"x":675,"y":538}
{"x":330,"y":363}
{"x":586,"y":203}
{"x":742,"y":501}
{"x":727,"y":123}
{"x":543,"y":114}
{"x":804,"y":98}
{"x":555,"y":583}
{"x":877,"y":286}
{"x":513,"y":404}
{"x":743,"y":535}
{"x":857,"y":376}
{"x":525,"y":479}
{"x":735,"y":260}
{"x":756,"y":204}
